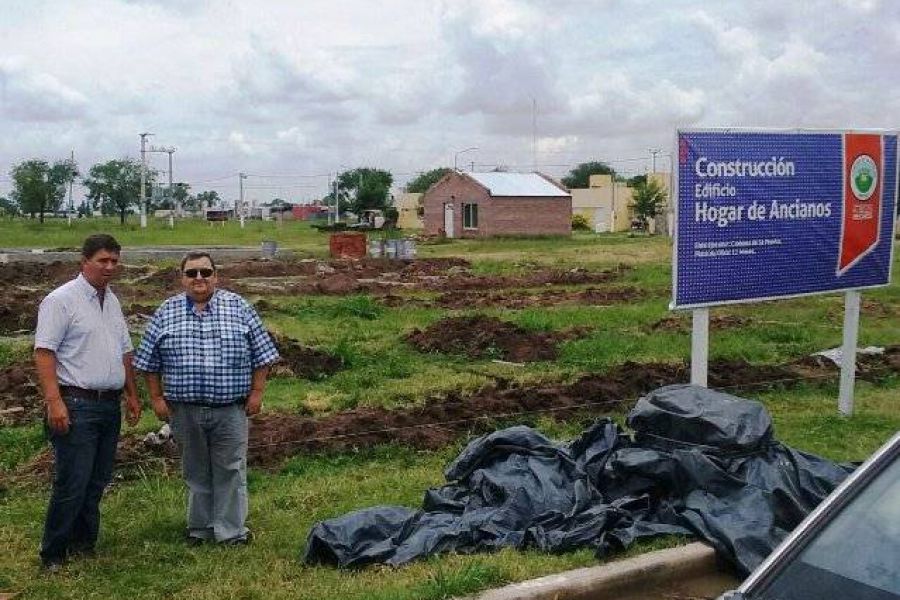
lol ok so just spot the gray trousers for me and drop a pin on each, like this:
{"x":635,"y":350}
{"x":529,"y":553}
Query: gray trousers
{"x":213,"y":444}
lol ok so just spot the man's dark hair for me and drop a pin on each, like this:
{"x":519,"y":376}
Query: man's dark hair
{"x":195,"y":256}
{"x":97,"y":242}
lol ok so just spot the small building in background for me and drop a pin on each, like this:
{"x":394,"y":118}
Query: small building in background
{"x":410,"y":210}
{"x":604,"y":203}
{"x":496,"y":203}
{"x":309,"y":212}
{"x":608,"y":205}
{"x":218,"y":214}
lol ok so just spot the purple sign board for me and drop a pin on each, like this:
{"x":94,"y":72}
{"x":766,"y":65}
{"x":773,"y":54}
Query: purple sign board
{"x":771,"y":214}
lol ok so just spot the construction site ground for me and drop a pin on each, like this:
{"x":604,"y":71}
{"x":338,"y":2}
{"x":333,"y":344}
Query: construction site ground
{"x":388,"y":366}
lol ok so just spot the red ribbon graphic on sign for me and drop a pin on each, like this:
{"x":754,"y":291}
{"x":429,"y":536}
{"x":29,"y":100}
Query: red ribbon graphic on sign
{"x":861,"y":223}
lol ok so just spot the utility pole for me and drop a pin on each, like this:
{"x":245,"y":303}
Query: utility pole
{"x":171,"y":150}
{"x":71,"y":179}
{"x":144,"y":179}
{"x":241,"y":178}
{"x":337,"y":201}
{"x":653,"y":153}
{"x":533,"y":133}
{"x":168,"y":150}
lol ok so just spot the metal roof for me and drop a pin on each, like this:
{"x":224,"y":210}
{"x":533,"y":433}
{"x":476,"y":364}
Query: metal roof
{"x":518,"y":184}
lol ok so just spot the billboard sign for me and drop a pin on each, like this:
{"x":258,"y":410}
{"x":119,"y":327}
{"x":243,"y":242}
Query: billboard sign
{"x":766,"y":214}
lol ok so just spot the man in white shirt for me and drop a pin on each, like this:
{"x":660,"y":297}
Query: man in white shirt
{"x":83,"y":352}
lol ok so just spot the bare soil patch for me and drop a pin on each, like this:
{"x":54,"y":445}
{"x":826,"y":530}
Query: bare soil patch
{"x":479,"y":336}
{"x":18,"y":311}
{"x":682,"y":324}
{"x":20,"y":397}
{"x":37,"y":274}
{"x":305,"y":362}
{"x":442,"y":420}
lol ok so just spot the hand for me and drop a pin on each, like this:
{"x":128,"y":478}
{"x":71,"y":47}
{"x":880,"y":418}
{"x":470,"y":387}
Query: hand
{"x":254,"y":403}
{"x":160,"y":408}
{"x":58,"y":416}
{"x":133,"y":408}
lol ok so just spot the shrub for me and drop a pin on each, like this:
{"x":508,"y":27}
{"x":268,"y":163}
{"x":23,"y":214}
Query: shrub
{"x":580,"y":223}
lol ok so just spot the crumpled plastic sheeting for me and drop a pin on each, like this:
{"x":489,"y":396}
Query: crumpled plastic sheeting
{"x":701,"y":463}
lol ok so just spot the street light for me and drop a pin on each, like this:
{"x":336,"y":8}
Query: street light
{"x":456,"y":156}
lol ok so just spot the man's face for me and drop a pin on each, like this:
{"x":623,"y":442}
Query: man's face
{"x":198,"y":278}
{"x":100,"y":268}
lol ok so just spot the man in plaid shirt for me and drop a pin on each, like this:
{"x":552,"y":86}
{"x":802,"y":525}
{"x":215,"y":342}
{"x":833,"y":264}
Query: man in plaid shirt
{"x":205,"y":356}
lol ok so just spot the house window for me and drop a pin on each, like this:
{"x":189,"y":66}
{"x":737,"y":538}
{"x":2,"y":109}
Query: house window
{"x":470,"y":216}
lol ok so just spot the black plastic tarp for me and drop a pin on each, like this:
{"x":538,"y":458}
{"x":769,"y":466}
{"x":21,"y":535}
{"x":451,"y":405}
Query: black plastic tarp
{"x":700,"y":462}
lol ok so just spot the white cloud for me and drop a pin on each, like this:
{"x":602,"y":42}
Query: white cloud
{"x":30,"y":95}
{"x":304,"y":87}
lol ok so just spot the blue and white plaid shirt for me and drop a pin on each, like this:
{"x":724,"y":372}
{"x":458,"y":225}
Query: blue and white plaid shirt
{"x":207,"y":358}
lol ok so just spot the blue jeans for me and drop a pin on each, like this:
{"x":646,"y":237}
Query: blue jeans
{"x":213,"y":443}
{"x":84,"y":458}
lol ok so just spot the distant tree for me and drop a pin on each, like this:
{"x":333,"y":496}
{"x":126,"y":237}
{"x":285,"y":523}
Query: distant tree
{"x":8,"y":208}
{"x":39,"y":187}
{"x":181,"y":193}
{"x":364,"y":188}
{"x":636,"y":181}
{"x":425,"y":180}
{"x":115,"y":186}
{"x":649,"y":199}
{"x":580,"y":176}
{"x":209,"y":199}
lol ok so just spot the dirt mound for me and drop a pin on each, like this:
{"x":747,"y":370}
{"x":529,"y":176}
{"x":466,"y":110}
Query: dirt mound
{"x":441,"y":420}
{"x":20,"y":398}
{"x":133,"y":456}
{"x":166,"y":279}
{"x":304,"y":361}
{"x":267,"y":268}
{"x":337,"y":284}
{"x":145,"y":310}
{"x":18,"y":313}
{"x":434,"y":266}
{"x":274,"y":437}
{"x":479,"y":336}
{"x":37,"y":274}
{"x":682,"y":323}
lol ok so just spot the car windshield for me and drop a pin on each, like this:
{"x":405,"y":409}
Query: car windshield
{"x":856,"y":555}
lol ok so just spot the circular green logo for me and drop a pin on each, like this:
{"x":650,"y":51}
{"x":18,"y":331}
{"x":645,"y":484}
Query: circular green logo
{"x":863,"y":177}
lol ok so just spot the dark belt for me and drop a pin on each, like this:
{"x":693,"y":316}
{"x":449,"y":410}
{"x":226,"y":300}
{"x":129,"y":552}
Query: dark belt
{"x":77,"y":392}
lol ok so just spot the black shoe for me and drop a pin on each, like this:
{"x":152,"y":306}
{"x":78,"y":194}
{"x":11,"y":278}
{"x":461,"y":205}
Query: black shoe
{"x":193,"y":541}
{"x":243,"y":540}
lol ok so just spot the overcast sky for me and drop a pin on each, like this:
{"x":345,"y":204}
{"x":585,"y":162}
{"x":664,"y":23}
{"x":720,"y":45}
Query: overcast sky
{"x":289,"y":91}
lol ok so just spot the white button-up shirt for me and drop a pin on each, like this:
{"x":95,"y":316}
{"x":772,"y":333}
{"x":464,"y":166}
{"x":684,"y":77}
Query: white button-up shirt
{"x":88,"y":340}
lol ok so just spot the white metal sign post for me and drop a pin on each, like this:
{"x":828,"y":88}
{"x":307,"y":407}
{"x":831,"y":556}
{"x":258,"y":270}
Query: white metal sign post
{"x":848,"y":352}
{"x":700,"y":346}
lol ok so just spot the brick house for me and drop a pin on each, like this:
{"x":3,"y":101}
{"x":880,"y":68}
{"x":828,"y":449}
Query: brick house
{"x":486,"y":204}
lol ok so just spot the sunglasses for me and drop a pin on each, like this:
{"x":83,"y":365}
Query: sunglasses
{"x":204,"y":273}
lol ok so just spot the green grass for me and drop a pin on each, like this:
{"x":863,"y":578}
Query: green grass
{"x":141,"y":552}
